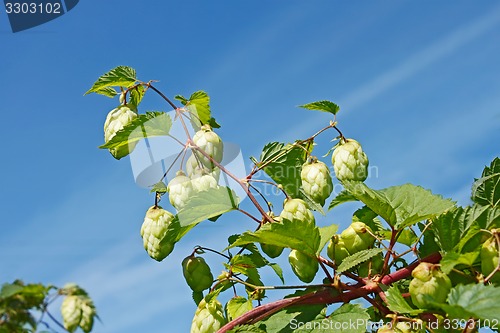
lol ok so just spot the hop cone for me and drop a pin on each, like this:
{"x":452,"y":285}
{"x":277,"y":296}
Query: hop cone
{"x":116,"y":120}
{"x":489,"y":258}
{"x":429,"y":284}
{"x":197,"y":273}
{"x":316,"y":181}
{"x":208,"y":318}
{"x":303,"y":266}
{"x":179,"y":190}
{"x":193,"y":167}
{"x":202,"y":181}
{"x":153,"y":232}
{"x":296,"y":210}
{"x":77,"y":309}
{"x":349,"y":161}
{"x":210,"y":143}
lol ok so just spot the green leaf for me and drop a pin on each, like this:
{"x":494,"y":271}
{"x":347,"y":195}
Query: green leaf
{"x":136,"y":96}
{"x":107,"y":91}
{"x":351,"y":318}
{"x":326,"y":233}
{"x":400,"y":206}
{"x":486,"y":190}
{"x":207,"y":204}
{"x":295,"y":235}
{"x":325,"y":106}
{"x":159,"y":187}
{"x":197,"y":297}
{"x":452,"y":259}
{"x":407,"y":237}
{"x":198,"y":106}
{"x":473,"y":301}
{"x":343,"y":197}
{"x":310,"y":202}
{"x":243,"y":264}
{"x":287,"y":320}
{"x":277,"y":269}
{"x":450,"y":227}
{"x":368,"y":217}
{"x":146,"y":125}
{"x":397,"y":303}
{"x":357,"y":258}
{"x":119,"y":76}
{"x":283,"y":164}
{"x":237,"y":306}
{"x":9,"y":290}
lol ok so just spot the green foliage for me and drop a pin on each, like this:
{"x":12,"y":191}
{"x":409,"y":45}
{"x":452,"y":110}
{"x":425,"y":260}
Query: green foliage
{"x":402,"y":223}
{"x":295,"y":235}
{"x":119,"y":76}
{"x":22,"y":307}
{"x":146,"y":125}
{"x":283,"y":163}
{"x":208,"y":204}
{"x":401,"y":206}
{"x":199,"y":106}
{"x":325,"y":106}
{"x":486,"y":190}
{"x":357,"y":258}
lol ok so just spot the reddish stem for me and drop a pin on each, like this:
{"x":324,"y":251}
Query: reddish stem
{"x":325,"y":296}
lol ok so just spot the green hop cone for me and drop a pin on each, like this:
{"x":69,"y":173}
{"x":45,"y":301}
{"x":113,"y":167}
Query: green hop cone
{"x":193,"y":167}
{"x":357,"y":237}
{"x":273,"y":251}
{"x":429,"y":284}
{"x":296,"y":210}
{"x":208,"y":141}
{"x":303,"y":265}
{"x":208,"y":318}
{"x":197,"y":273}
{"x":316,"y":181}
{"x":78,"y":311}
{"x":153,"y":232}
{"x":202,"y":181}
{"x":116,"y":120}
{"x":179,"y":190}
{"x":489,"y":258}
{"x":336,"y":250}
{"x":349,"y":161}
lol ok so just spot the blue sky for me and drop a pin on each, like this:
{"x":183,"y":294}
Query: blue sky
{"x":417,"y":82}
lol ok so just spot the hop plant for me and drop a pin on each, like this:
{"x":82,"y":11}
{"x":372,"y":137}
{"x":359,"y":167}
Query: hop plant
{"x":154,"y":230}
{"x":179,"y":190}
{"x":194,"y":167}
{"x":272,"y":251}
{"x":303,"y":266}
{"x":371,"y":267}
{"x":429,"y":285}
{"x":336,"y":250}
{"x":77,"y":309}
{"x":316,"y":180}
{"x":357,"y":237}
{"x":208,"y":141}
{"x":197,"y":273}
{"x":209,"y":317}
{"x":116,"y":120}
{"x":349,"y":161}
{"x":203,"y":181}
{"x":296,"y":210}
{"x":489,"y":257}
